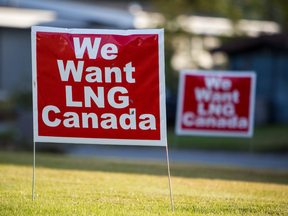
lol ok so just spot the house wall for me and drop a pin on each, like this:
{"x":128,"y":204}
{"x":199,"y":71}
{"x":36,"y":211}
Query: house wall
{"x":15,"y":60}
{"x":272,"y":82}
{"x":281,"y":96}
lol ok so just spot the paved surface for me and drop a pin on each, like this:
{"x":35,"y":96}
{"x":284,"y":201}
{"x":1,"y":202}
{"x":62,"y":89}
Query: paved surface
{"x":216,"y":158}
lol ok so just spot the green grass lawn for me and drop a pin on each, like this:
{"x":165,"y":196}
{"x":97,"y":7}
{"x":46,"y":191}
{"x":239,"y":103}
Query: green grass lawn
{"x":270,"y":138}
{"x":95,"y":186}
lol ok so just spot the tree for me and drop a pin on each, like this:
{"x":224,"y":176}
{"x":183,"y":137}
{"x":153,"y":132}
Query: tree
{"x":268,"y":10}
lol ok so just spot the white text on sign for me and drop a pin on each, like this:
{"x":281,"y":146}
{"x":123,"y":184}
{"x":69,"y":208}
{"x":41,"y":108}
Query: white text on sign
{"x":117,"y":96}
{"x":215,"y":108}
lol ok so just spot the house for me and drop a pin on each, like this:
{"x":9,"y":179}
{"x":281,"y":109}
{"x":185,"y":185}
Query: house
{"x":16,"y":19}
{"x":268,"y":56}
{"x":15,"y":35}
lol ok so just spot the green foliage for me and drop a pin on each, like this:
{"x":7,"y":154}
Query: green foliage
{"x":276,"y":10}
{"x":7,"y":104}
{"x":22,"y":99}
{"x":7,"y":136}
{"x":77,"y":186}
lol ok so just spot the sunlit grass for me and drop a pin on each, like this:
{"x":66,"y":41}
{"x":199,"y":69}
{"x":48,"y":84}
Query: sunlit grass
{"x":76,"y":186}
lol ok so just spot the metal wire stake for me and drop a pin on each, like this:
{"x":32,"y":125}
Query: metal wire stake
{"x":33,"y":172}
{"x":169,"y":178}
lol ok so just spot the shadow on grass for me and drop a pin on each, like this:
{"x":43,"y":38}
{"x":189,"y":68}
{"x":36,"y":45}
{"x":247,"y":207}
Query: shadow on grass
{"x":58,"y":161}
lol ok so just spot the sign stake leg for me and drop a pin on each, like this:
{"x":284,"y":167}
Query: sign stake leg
{"x":169,"y":178}
{"x":33,"y":172}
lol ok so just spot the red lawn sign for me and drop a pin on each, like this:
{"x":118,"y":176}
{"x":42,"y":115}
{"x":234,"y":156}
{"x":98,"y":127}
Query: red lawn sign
{"x":99,"y":86}
{"x":214,"y":103}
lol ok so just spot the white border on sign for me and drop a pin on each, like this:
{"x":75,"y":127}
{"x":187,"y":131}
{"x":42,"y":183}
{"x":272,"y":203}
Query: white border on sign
{"x":162,"y":97}
{"x":180,"y":101}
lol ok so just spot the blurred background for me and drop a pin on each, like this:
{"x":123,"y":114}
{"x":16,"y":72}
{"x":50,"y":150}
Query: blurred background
{"x":199,"y":34}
